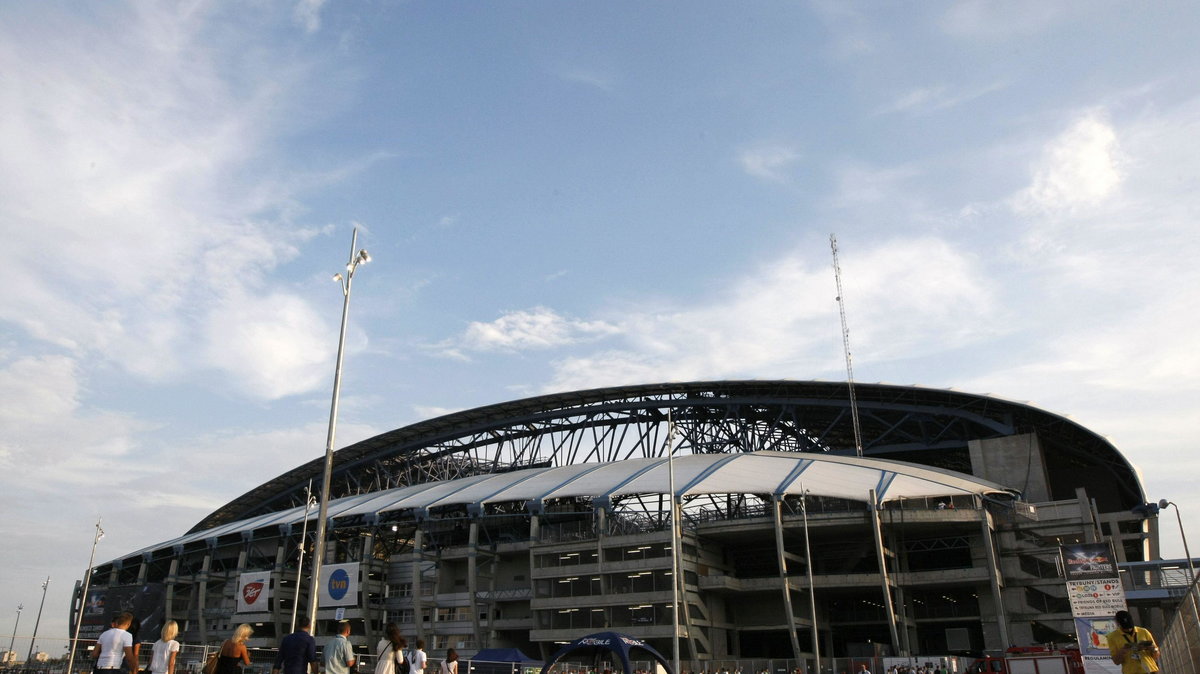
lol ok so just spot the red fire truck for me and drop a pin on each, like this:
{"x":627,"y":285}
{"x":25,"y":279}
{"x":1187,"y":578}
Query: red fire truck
{"x":1030,"y":660}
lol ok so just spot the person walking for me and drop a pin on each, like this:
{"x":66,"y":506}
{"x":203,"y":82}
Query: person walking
{"x":417,"y":658}
{"x":164,"y":651}
{"x":450,"y":664}
{"x":390,"y":651}
{"x":233,"y":653}
{"x":339,"y":654}
{"x":1132,"y":647}
{"x":297,"y":651}
{"x":114,"y":646}
{"x":132,"y":666}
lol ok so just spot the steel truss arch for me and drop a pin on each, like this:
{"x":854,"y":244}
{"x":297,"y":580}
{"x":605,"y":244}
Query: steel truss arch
{"x":928,"y":426}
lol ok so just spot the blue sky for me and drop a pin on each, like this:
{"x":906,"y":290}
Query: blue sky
{"x":558,"y":196}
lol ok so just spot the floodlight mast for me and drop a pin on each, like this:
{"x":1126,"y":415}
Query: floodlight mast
{"x":314,"y":589}
{"x":837,"y":276}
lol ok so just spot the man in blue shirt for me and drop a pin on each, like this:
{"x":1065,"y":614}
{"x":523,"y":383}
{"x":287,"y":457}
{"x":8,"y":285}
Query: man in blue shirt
{"x":297,"y":651}
{"x":339,"y":654}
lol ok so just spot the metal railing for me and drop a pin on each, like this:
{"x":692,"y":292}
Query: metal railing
{"x":1180,"y":646}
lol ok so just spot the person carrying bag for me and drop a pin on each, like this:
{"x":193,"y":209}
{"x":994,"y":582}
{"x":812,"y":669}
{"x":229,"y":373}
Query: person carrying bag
{"x":390,"y":652}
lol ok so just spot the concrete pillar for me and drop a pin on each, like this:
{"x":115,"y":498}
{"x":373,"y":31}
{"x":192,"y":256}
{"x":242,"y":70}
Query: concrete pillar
{"x":993,"y":562}
{"x":172,"y":572}
{"x":202,"y":592}
{"x":418,"y":604}
{"x":601,"y":528}
{"x":473,"y":577}
{"x":1014,"y":460}
{"x":282,"y":620}
{"x":367,"y":564}
{"x":781,"y":558}
{"x":888,"y":607}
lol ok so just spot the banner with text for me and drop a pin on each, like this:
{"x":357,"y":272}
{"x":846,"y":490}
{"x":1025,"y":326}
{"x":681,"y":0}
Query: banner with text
{"x":339,"y":585}
{"x":1095,"y":591}
{"x":254,"y":592}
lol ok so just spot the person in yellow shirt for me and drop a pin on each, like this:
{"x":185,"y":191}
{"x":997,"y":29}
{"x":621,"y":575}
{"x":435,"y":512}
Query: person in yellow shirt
{"x":1132,"y":647}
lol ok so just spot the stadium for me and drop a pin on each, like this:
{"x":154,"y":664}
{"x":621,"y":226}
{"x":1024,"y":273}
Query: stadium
{"x":533,"y":522}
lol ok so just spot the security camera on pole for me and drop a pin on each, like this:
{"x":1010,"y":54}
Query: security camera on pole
{"x":361,"y":257}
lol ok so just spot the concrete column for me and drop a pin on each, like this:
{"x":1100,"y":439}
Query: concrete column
{"x":491,"y":603}
{"x":418,"y":604}
{"x":993,"y":562}
{"x":601,"y":527}
{"x":535,"y":530}
{"x":171,"y":582}
{"x":367,"y":564}
{"x":282,"y":620}
{"x":143,"y":568}
{"x":888,"y":607}
{"x":202,"y":593}
{"x":902,"y":603}
{"x":781,"y":558}
{"x":473,"y":577}
{"x":683,"y":595}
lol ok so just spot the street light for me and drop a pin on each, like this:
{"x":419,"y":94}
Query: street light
{"x":1162,"y":505}
{"x":29,"y":658}
{"x":14,"y":634}
{"x":309,"y":502}
{"x":361,"y":257}
{"x":87,"y":581}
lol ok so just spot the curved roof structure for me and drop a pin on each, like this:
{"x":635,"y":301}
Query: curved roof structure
{"x":766,"y":472}
{"x":582,"y":430}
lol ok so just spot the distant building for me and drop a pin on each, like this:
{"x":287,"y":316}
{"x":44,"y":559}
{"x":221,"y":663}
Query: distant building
{"x":533,"y":522}
{"x":8,"y":658}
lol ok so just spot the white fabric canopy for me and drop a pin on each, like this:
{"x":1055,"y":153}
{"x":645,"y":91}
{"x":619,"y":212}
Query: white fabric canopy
{"x":767,"y":472}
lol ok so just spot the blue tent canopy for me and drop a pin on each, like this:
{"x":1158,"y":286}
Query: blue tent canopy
{"x":502,"y":655}
{"x":620,"y":644}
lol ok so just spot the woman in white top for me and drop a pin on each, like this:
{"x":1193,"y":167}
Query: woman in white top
{"x":390,"y":651}
{"x":162,"y":661}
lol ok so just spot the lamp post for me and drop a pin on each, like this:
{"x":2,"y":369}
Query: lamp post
{"x":87,"y":581}
{"x":361,"y":257}
{"x":1162,"y":504}
{"x":309,"y":502}
{"x":14,"y":634}
{"x":29,"y":658}
{"x":812,"y":593}
{"x":676,"y":536}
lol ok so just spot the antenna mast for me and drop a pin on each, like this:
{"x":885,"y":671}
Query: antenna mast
{"x":837,"y":276}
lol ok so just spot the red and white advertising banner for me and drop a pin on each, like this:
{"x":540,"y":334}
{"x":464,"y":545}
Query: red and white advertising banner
{"x":1094,"y":588}
{"x":254,"y":591}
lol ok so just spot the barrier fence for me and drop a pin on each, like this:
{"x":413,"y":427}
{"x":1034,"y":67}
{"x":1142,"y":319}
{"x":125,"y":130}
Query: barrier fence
{"x":191,"y":659}
{"x":1180,"y":645}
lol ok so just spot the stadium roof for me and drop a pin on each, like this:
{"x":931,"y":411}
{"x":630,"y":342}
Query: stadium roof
{"x":764,"y":472}
{"x":921,"y":425}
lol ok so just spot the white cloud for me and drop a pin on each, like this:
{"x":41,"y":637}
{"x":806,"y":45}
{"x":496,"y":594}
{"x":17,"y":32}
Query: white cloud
{"x":46,"y":426}
{"x":133,"y":207}
{"x":591,"y":78}
{"x":432,"y":411}
{"x":924,"y":100}
{"x":308,"y":14}
{"x":769,"y":162}
{"x":979,"y":19}
{"x":277,"y":337}
{"x":905,"y":297}
{"x":536,"y":328}
{"x":1079,"y":169}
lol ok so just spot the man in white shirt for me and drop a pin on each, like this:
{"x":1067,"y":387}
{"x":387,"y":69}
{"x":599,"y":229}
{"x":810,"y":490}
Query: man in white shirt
{"x":417,"y":658}
{"x":115,"y":646}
